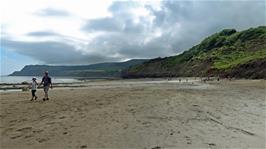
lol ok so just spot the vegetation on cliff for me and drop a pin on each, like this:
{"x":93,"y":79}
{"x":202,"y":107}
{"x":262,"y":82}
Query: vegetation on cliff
{"x":227,"y":53}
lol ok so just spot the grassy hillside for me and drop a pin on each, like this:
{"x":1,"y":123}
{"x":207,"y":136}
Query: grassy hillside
{"x":94,"y":70}
{"x":227,"y":53}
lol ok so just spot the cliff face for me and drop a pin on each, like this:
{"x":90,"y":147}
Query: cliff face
{"x":94,"y":70}
{"x":227,"y":53}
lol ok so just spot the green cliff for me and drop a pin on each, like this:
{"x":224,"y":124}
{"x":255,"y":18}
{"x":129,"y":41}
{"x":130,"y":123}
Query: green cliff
{"x":226,"y":54}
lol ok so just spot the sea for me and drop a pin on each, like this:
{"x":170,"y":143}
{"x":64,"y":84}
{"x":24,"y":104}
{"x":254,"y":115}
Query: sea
{"x":20,"y":79}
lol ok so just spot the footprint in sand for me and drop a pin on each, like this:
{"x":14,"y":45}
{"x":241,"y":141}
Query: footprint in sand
{"x":146,"y":124}
{"x":16,"y":136}
{"x":156,"y":147}
{"x":41,"y":140}
{"x":83,"y":146}
{"x":29,"y":136}
{"x":171,"y":133}
{"x":188,"y":140}
{"x":25,"y":129}
{"x":50,"y":123}
{"x":13,"y":121}
{"x":82,"y":116}
{"x":212,"y":144}
{"x":62,"y":117}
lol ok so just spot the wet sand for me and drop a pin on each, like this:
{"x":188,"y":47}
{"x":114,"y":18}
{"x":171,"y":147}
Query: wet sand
{"x":138,"y":114}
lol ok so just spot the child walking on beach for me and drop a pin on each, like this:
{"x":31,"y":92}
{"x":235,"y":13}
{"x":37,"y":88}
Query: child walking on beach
{"x":34,"y":85}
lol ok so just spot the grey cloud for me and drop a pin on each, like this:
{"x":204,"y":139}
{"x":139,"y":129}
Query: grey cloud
{"x":51,"y":52}
{"x":131,"y":27}
{"x":122,"y":6}
{"x":176,"y":26}
{"x":128,"y":46}
{"x":55,"y":35}
{"x":171,"y":12}
{"x":103,"y":24}
{"x":120,"y":21}
{"x":114,"y":24}
{"x":182,"y":24}
{"x":200,"y":19}
{"x":42,"y":34}
{"x":52,"y":12}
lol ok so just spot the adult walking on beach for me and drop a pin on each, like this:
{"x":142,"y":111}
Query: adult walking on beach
{"x":47,"y":83}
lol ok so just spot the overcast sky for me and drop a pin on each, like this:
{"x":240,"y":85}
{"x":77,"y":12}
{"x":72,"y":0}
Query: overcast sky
{"x":67,"y":32}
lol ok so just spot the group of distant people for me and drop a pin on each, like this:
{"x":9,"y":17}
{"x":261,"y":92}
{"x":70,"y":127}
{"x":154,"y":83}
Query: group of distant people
{"x":46,"y":82}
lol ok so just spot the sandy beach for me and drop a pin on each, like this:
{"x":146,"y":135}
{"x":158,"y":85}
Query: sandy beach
{"x":141,"y":114}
